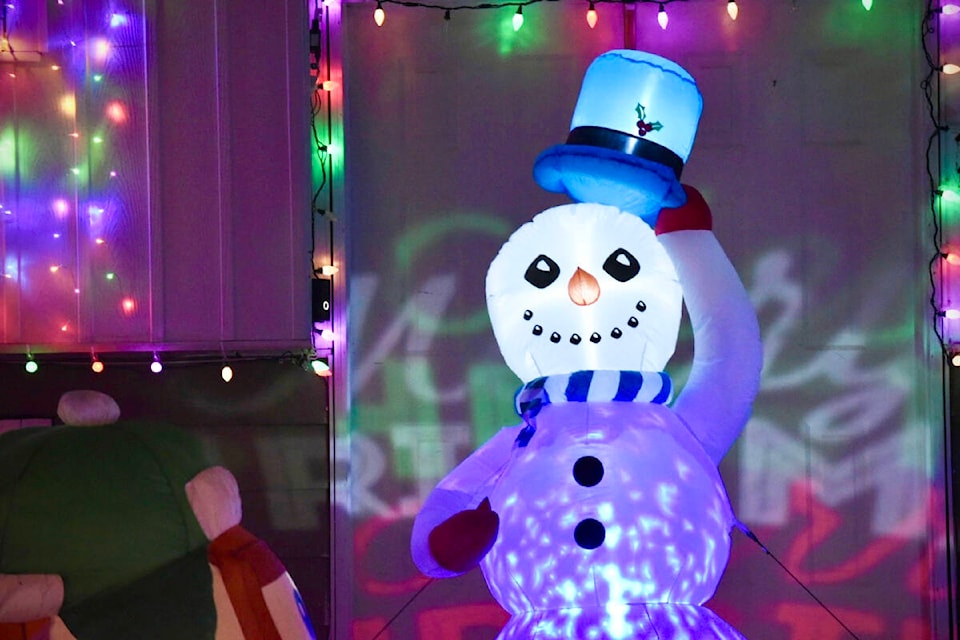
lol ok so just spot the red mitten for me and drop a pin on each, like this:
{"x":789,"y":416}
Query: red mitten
{"x":461,"y":541}
{"x":695,"y":214}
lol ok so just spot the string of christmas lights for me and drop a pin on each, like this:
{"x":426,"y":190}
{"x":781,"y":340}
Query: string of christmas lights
{"x":70,"y":192}
{"x":943,"y":265}
{"x":322,"y":208}
{"x":157,"y":361}
{"x":944,"y":196}
{"x":592,"y":16}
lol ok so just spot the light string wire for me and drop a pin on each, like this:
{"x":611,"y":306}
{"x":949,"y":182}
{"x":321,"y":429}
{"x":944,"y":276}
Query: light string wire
{"x":512,"y":3}
{"x":405,"y":605}
{"x":752,"y":536}
{"x":932,"y":96}
{"x":931,"y":93}
{"x":319,"y":28}
{"x":321,"y":64}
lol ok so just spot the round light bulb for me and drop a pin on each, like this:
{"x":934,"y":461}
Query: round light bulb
{"x":156,"y":366}
{"x":379,"y":15}
{"x":226,"y":373}
{"x":96,"y":366}
{"x":31,"y":366}
{"x":955,"y":360}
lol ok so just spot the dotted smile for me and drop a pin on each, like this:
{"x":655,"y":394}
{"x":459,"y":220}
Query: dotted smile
{"x":595,"y":337}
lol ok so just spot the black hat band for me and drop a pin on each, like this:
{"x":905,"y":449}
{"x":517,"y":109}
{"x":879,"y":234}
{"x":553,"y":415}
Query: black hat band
{"x":626,"y":143}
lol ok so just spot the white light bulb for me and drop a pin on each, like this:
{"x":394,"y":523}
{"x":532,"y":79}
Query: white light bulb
{"x":518,"y":19}
{"x":662,"y":17}
{"x":732,"y":9}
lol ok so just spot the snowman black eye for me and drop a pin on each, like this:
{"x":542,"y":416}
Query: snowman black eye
{"x":621,"y":265}
{"x":542,"y":272}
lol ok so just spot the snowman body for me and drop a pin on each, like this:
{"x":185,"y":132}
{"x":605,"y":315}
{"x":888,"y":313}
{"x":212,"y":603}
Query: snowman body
{"x":613,"y":519}
{"x":610,"y":505}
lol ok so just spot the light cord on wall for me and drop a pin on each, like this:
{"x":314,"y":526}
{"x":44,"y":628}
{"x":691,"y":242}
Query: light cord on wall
{"x":940,"y":304}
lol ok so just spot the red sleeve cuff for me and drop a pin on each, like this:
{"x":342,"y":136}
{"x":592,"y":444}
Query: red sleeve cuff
{"x":694,"y":215}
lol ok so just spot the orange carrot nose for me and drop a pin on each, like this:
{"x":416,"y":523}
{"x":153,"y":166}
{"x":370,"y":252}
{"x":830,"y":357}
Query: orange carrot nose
{"x":583,"y":288}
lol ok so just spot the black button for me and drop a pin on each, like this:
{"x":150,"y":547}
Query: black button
{"x":589,"y":534}
{"x":588,"y":471}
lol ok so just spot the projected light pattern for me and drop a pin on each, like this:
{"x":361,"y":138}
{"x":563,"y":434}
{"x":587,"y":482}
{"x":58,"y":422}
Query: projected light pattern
{"x":73,"y":167}
{"x":611,"y":509}
{"x":615,"y":622}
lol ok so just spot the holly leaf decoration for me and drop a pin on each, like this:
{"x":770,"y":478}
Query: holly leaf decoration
{"x":644,"y":127}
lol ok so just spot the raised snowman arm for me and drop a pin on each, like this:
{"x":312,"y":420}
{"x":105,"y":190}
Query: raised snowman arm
{"x":456,"y":526}
{"x":717,"y":399}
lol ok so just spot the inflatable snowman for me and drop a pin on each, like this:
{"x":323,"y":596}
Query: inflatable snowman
{"x":603,"y":515}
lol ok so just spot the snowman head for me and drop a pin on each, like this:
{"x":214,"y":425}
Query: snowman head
{"x":583,"y":287}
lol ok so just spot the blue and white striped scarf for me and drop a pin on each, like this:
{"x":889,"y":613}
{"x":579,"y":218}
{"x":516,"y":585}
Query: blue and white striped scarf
{"x":588,"y":386}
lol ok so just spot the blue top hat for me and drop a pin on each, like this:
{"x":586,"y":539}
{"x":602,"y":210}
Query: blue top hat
{"x":632,"y":131}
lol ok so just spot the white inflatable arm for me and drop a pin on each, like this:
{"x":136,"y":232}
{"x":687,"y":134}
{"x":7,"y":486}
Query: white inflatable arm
{"x":728,"y":355}
{"x":463,"y":488}
{"x":215,"y":498}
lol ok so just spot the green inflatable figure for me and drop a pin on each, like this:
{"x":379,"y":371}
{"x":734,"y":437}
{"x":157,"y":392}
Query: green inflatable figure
{"x":121,"y":529}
